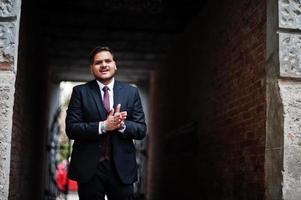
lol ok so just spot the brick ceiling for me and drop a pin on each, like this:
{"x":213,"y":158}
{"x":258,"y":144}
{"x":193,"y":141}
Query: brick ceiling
{"x":139,"y":31}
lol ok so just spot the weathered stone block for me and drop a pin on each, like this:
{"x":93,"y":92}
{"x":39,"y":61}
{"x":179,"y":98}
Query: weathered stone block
{"x":290,"y":14}
{"x":291,"y":96}
{"x":290,"y":55}
{"x":8,"y":8}
{"x":6,"y":105}
{"x":7,"y":45}
{"x":4,"y":111}
{"x":273,"y":172}
{"x":7,"y":82}
{"x":4,"y":169}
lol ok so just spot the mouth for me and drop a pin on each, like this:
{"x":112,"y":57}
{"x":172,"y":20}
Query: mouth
{"x":104,"y":71}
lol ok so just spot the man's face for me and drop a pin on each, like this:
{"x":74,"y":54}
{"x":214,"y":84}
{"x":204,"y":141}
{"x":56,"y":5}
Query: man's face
{"x":103,"y":67}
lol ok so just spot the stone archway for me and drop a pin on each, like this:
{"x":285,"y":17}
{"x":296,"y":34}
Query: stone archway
{"x":9,"y":32}
{"x":283,"y":161}
{"x":283,"y":67}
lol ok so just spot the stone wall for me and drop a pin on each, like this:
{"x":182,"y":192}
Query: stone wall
{"x":9,"y":26}
{"x":289,"y":15}
{"x":274,"y":124}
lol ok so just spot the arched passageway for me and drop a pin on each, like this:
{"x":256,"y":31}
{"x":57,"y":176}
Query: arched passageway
{"x":221,"y":90}
{"x":55,"y":46}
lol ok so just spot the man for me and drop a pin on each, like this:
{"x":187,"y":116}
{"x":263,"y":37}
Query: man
{"x":103,"y":118}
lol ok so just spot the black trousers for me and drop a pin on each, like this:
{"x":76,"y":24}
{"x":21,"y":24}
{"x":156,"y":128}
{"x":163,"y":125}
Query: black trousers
{"x":105,"y":182}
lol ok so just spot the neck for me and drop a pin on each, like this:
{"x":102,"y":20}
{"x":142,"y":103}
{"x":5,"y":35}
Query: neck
{"x":106,"y":82}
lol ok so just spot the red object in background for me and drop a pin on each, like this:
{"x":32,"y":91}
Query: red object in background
{"x":62,"y":180}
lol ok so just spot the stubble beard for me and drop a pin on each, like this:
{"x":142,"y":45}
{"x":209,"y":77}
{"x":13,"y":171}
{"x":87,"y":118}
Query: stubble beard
{"x":107,"y":80}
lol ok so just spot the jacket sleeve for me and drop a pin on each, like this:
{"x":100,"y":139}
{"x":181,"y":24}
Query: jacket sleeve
{"x":135,"y":126}
{"x":76,"y":127}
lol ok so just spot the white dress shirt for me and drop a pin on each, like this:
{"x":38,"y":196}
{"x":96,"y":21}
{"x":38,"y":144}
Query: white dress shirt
{"x":111,"y":99}
{"x":111,"y":95}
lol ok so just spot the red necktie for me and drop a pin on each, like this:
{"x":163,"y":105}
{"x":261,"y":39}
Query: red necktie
{"x":106,"y":142}
{"x":106,"y":98}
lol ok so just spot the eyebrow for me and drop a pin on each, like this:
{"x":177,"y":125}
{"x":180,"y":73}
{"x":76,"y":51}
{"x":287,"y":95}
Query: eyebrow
{"x":106,"y":60}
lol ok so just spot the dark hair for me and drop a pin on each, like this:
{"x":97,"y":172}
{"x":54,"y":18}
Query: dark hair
{"x":98,"y":49}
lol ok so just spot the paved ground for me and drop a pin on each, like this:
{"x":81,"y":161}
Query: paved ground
{"x":72,"y":196}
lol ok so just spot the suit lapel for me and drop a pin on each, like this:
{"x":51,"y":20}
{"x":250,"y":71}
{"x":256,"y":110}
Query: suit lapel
{"x":117,"y":91}
{"x":95,"y":92}
{"x":117,"y":94}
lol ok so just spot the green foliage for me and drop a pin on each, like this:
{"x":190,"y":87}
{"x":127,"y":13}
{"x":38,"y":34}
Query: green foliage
{"x":63,"y":151}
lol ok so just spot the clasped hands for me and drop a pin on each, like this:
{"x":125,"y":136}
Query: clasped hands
{"x":115,"y":119}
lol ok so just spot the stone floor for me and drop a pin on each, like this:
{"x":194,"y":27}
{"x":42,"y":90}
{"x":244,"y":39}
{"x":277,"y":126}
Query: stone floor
{"x":73,"y":196}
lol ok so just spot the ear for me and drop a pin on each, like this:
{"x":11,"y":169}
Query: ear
{"x":115,"y":65}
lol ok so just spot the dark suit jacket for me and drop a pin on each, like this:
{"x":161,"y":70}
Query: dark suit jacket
{"x":84,"y":113}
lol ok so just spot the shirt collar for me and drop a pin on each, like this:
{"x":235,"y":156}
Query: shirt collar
{"x":110,"y":85}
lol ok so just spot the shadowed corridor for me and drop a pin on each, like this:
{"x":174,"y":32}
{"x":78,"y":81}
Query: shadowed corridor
{"x":200,"y":67}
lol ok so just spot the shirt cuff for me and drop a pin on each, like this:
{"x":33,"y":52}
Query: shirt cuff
{"x":101,"y":129}
{"x":122,"y":128}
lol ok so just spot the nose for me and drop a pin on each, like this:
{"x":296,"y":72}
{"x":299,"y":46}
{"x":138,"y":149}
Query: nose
{"x":103,"y":64}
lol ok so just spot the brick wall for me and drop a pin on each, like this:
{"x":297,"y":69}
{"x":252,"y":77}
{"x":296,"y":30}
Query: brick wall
{"x":215,"y":77}
{"x":27,"y":146}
